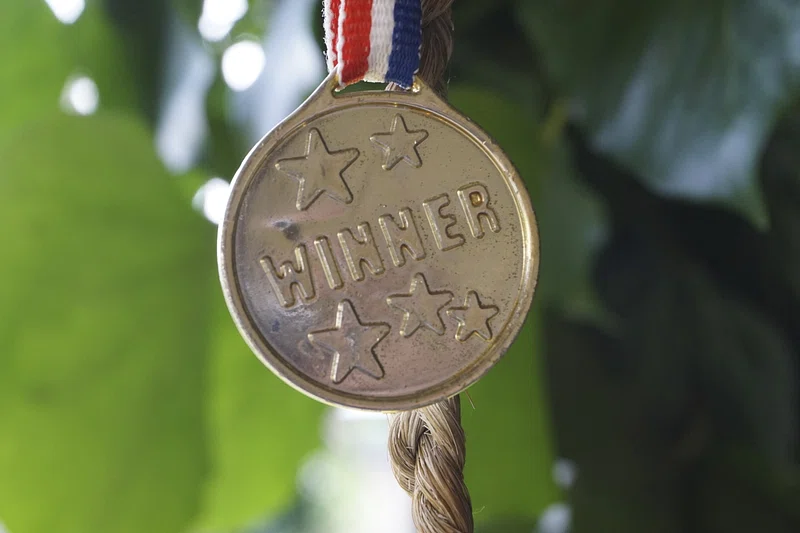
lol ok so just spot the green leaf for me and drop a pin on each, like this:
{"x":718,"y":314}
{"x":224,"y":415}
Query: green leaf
{"x":572,"y":223}
{"x":573,"y":226}
{"x":492,"y":52}
{"x":624,"y":481}
{"x":508,"y":476}
{"x":149,"y":38}
{"x":691,"y":366}
{"x":507,"y":526}
{"x":253,"y":23}
{"x":471,"y":14}
{"x":682,"y":93}
{"x":260,"y":431}
{"x":700,"y":351}
{"x":40,"y":54}
{"x":701,"y":360}
{"x":739,"y":492}
{"x":509,"y":446}
{"x":747,"y":368}
{"x":780,"y":178}
{"x":103,"y":314}
{"x":512,"y":125}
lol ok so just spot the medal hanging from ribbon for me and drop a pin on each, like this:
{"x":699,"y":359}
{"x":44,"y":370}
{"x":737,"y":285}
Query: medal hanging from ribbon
{"x":373,"y":40}
{"x":379,"y":250}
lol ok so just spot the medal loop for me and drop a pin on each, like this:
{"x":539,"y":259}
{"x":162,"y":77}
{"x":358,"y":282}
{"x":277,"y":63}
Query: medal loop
{"x":373,"y":40}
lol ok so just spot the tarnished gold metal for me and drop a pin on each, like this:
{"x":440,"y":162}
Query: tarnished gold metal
{"x":379,"y":250}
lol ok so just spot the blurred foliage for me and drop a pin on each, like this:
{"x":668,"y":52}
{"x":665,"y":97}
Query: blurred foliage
{"x":661,"y":144}
{"x":520,"y":482}
{"x":40,"y":53}
{"x":259,"y":431}
{"x":103,"y":356}
{"x":683,"y":93}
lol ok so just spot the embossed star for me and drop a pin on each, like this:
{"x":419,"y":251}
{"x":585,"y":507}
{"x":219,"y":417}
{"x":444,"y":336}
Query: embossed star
{"x":473,"y":318}
{"x":400,"y":144}
{"x":421,"y":307}
{"x":351,"y":343}
{"x":319,"y":171}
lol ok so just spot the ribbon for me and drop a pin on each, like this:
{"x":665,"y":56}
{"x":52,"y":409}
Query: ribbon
{"x":373,"y":40}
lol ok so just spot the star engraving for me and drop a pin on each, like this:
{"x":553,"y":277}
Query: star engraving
{"x":351,"y":343}
{"x":400,"y":144}
{"x":319,"y":171}
{"x":421,"y":307}
{"x":473,"y":318}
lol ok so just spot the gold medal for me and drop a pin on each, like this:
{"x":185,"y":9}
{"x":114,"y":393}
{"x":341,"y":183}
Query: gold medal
{"x":379,"y":250}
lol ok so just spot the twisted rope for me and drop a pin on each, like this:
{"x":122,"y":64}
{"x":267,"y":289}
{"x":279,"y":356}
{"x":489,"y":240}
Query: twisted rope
{"x":437,"y":42}
{"x":427,"y":448}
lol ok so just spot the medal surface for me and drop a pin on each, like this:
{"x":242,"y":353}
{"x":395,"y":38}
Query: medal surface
{"x":379,"y":250}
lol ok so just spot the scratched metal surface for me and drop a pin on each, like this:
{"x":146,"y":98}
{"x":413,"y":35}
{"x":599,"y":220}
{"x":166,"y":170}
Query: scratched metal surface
{"x":379,"y":250}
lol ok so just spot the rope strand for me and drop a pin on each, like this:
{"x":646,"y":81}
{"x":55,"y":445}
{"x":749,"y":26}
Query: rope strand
{"x":437,"y":42}
{"x":427,"y":448}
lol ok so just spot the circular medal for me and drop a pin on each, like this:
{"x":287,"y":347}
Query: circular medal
{"x":379,"y":250}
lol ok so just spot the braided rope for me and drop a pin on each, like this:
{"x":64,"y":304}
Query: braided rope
{"x":437,"y":42}
{"x":427,"y":448}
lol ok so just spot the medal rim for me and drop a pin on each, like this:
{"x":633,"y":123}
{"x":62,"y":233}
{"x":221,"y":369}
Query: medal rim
{"x":324,"y":101}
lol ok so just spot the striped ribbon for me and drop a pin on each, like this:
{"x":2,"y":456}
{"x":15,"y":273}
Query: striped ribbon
{"x":373,"y":40}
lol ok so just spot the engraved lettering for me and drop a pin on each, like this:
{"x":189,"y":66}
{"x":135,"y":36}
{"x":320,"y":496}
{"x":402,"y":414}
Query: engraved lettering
{"x":361,"y":251}
{"x":442,"y":223}
{"x":328,"y":262}
{"x":475,"y":202}
{"x":402,"y":238}
{"x":290,"y":278}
